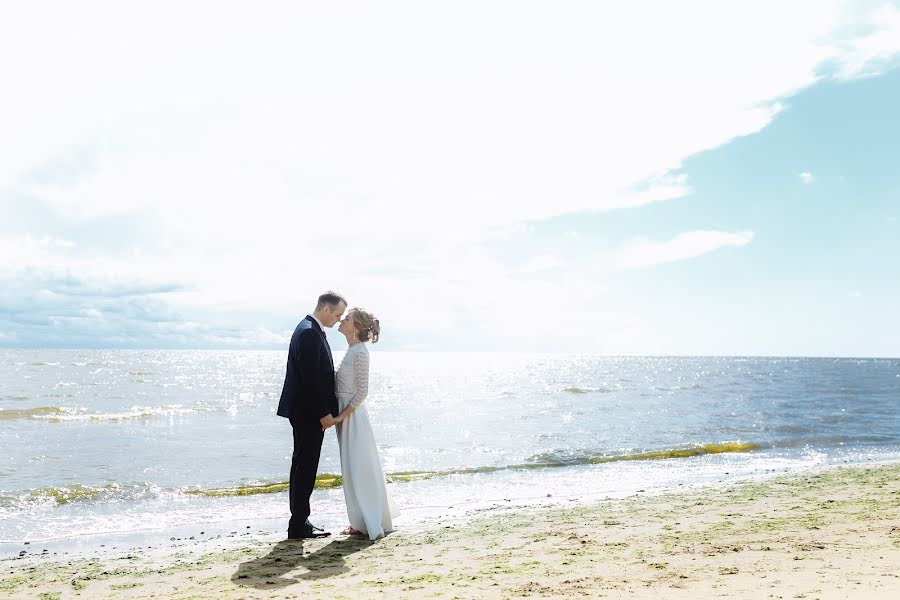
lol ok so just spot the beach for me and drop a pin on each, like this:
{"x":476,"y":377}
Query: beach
{"x":828,"y":533}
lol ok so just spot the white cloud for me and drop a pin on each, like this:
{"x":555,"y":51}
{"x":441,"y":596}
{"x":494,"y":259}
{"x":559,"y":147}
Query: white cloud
{"x":542,"y":262}
{"x":641,"y":253}
{"x":260,"y":155}
{"x":26,"y":250}
{"x":875,"y":51}
{"x":806,"y":177}
{"x":64,"y":308}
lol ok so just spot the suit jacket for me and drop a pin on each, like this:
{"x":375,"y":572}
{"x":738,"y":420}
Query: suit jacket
{"x":308,"y":391}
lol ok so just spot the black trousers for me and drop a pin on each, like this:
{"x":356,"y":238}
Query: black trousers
{"x":308,"y":436}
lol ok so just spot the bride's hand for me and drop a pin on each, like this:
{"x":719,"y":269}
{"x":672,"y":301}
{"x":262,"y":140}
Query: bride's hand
{"x":344,"y":415}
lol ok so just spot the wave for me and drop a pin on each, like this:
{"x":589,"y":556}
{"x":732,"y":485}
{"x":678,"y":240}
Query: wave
{"x":833,"y":440}
{"x":558,"y":459}
{"x":12,"y":414}
{"x":324,"y":481}
{"x":56,"y":414}
{"x":81,"y":493}
{"x":64,"y":495}
{"x":136,"y":412}
{"x":586,"y":390}
{"x":541,"y":461}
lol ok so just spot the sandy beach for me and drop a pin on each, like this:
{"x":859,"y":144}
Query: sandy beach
{"x":834,"y":533}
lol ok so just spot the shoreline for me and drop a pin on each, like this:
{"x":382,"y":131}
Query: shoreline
{"x":828,"y":532}
{"x":460,"y":512}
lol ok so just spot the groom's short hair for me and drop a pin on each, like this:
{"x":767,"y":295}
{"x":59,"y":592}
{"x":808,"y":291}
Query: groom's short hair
{"x":330,"y":298}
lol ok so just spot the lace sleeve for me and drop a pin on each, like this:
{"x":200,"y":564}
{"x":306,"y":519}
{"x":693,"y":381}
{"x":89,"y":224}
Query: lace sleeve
{"x":361,"y":375}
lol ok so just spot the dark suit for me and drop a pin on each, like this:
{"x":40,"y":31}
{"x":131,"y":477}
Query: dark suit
{"x":307,"y":396}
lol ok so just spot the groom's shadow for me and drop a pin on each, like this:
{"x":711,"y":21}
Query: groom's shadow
{"x":267,"y":572}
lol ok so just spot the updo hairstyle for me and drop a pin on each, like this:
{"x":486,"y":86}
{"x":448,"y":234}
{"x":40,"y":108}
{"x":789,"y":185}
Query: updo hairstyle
{"x":367,"y":326}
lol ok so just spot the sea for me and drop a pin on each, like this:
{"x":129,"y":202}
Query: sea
{"x":108,"y":446}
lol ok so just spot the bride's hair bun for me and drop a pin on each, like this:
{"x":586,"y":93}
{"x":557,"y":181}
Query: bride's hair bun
{"x":366,"y":324}
{"x":375,"y":330}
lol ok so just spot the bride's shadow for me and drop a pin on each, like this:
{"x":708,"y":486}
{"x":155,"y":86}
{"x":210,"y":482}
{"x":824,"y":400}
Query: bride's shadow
{"x":267,"y":572}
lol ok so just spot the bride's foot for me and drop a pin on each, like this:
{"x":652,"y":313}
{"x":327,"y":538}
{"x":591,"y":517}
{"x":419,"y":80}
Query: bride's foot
{"x":351,"y":531}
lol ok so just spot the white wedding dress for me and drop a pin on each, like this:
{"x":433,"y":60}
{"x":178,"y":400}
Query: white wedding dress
{"x":369,"y":507}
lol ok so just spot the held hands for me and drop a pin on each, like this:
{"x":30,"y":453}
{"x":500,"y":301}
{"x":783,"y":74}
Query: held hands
{"x":329,"y":421}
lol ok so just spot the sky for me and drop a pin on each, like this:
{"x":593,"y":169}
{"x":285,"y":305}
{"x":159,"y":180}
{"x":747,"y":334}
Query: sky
{"x":698,"y":178}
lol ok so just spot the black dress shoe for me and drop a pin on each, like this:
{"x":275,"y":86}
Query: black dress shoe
{"x":308,"y":530}
{"x":313,"y":527}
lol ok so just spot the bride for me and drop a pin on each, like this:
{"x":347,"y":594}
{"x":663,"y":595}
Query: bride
{"x":370,"y":509}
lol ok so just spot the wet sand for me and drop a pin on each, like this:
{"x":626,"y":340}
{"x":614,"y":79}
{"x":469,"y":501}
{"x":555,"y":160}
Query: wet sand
{"x":833,"y":533}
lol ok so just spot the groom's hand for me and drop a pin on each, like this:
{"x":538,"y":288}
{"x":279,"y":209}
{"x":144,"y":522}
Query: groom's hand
{"x":327,"y":421}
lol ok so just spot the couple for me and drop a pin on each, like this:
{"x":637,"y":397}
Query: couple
{"x":314,"y":398}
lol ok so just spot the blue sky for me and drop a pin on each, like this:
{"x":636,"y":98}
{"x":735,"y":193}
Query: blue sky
{"x":487,"y":176}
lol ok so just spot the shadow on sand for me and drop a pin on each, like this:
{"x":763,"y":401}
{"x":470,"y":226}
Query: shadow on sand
{"x":267,"y":572}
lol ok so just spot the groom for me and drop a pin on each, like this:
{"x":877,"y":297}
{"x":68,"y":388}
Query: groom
{"x":308,"y":400}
